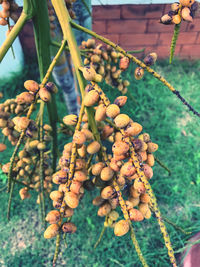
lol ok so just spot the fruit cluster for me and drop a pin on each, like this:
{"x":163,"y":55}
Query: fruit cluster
{"x":8,"y":7}
{"x":86,"y":164}
{"x":109,"y":64}
{"x":185,"y":10}
{"x":52,"y":16}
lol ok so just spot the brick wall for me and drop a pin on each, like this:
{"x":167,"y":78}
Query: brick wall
{"x":136,"y":27}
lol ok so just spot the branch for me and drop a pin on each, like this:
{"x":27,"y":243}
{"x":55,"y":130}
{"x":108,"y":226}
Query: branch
{"x":136,"y":61}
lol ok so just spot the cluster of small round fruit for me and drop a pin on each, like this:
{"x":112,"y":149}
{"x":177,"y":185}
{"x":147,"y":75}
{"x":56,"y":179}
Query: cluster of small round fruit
{"x":185,"y":10}
{"x":26,"y":164}
{"x":8,"y":7}
{"x":105,"y":61}
{"x":52,"y":17}
{"x":86,"y":164}
{"x":110,"y":64}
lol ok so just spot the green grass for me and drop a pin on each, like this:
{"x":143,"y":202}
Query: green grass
{"x":175,"y":130}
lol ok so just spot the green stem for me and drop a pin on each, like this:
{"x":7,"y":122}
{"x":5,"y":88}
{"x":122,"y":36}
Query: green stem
{"x":10,"y":199}
{"x":42,"y":40}
{"x":41,"y":170}
{"x":12,"y":160}
{"x":100,"y":237}
{"x":176,"y":226}
{"x":57,"y":249}
{"x":162,"y":164}
{"x":121,"y":50}
{"x":64,"y":19}
{"x":13,"y":34}
{"x":173,"y":43}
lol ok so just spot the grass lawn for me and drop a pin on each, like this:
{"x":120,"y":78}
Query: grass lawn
{"x":177,"y":133}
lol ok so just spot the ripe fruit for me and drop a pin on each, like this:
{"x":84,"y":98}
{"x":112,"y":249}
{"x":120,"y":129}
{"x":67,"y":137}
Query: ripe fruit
{"x":71,"y":199}
{"x":69,"y":227}
{"x":121,"y":228}
{"x":31,"y":85}
{"x":106,"y":174}
{"x":93,"y":147}
{"x":139,"y":73}
{"x":51,"y":231}
{"x":112,"y":110}
{"x":186,"y":2}
{"x":2,"y":147}
{"x":53,"y":217}
{"x":70,"y":119}
{"x":122,"y":120}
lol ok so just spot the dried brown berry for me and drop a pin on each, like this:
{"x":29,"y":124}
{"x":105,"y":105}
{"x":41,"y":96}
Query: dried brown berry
{"x":69,"y":227}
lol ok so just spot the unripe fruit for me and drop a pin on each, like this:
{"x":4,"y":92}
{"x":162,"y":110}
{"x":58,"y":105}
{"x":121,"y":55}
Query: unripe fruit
{"x":93,"y":147}
{"x":113,"y":215}
{"x":53,"y":217}
{"x":139,"y":73}
{"x":122,"y":120}
{"x":70,"y":119}
{"x":51,"y":231}
{"x":44,"y":94}
{"x":121,"y":228}
{"x":112,"y":110}
{"x":120,"y":101}
{"x":71,"y":200}
{"x":2,"y":147}
{"x":135,"y":215}
{"x":31,"y":85}
{"x":69,"y":227}
{"x":106,"y":174}
{"x":107,"y":192}
{"x":91,"y":98}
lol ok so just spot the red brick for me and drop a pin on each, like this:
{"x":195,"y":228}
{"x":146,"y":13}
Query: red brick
{"x":155,"y":26}
{"x":198,"y":39}
{"x":126,"y":26}
{"x":138,"y":39}
{"x":191,"y":51}
{"x":99,"y":26}
{"x":112,"y":37}
{"x":142,"y":11}
{"x":194,"y":26}
{"x":163,"y":51}
{"x":183,"y":38}
{"x":106,"y":12}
